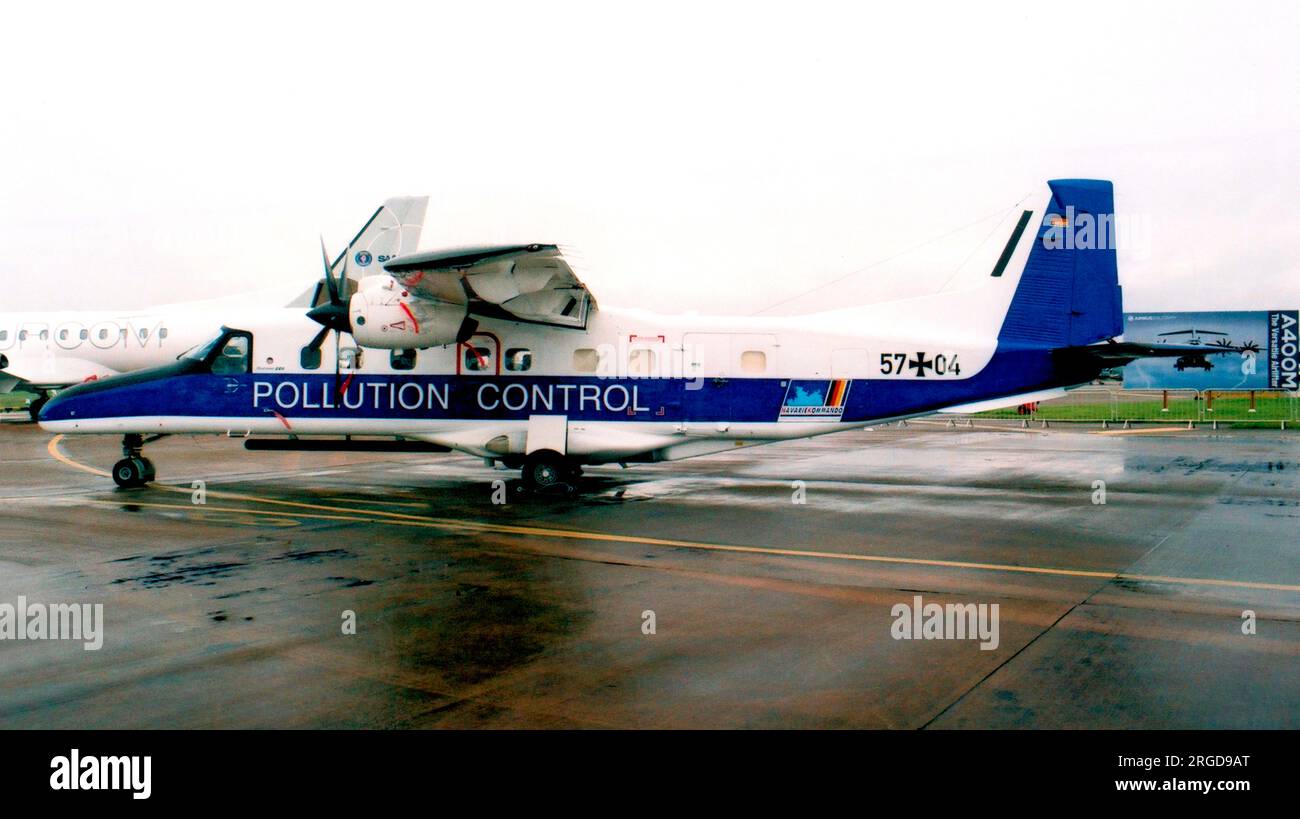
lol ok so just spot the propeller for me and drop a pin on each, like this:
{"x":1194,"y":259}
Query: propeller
{"x":330,"y":315}
{"x":1226,"y":345}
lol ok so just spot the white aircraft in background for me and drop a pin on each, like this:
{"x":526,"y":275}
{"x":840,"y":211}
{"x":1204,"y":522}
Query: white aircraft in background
{"x":501,"y":352}
{"x":42,"y":352}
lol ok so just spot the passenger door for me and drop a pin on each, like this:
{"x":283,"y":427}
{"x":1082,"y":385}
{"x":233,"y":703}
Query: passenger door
{"x":707,"y":397}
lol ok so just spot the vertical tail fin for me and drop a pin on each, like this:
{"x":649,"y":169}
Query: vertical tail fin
{"x":393,"y":230}
{"x":1068,"y":294}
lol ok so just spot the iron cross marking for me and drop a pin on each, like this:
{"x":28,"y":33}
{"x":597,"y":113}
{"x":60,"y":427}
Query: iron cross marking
{"x":920,"y":364}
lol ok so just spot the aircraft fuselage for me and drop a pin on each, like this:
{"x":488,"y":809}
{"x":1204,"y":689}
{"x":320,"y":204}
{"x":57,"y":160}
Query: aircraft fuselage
{"x":632,"y":385}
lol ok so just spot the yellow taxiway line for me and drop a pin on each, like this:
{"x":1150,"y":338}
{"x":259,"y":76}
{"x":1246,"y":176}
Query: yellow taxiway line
{"x":334,"y":513}
{"x":57,"y":454}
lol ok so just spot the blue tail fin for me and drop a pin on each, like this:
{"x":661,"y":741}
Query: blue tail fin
{"x":1069,"y":293}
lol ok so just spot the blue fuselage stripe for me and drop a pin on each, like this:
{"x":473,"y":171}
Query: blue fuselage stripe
{"x":517,"y":396}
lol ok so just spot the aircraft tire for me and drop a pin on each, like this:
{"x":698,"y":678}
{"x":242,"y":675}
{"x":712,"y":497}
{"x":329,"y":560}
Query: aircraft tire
{"x":34,"y":408}
{"x":544,"y":470}
{"x":133,"y":472}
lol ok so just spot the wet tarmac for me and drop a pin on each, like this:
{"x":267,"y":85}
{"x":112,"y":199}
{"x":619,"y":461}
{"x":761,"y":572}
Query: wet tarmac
{"x":767,"y":612}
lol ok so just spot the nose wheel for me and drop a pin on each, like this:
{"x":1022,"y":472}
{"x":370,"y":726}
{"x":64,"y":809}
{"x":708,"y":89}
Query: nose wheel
{"x":134,"y":470}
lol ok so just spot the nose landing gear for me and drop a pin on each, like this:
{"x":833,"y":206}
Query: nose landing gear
{"x":134,"y":470}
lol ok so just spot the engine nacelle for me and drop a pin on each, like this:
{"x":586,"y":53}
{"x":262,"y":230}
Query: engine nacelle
{"x":385,"y":315}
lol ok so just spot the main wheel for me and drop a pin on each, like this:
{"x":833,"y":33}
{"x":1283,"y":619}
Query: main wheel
{"x":543,"y":470}
{"x":130,"y":473}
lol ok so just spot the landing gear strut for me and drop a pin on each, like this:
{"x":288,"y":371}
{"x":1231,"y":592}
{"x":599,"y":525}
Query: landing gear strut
{"x":134,"y":469}
{"x":546,"y":472}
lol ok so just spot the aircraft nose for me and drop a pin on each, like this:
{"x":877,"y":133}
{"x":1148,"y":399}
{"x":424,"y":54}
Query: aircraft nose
{"x":107,"y":400}
{"x":59,"y":408}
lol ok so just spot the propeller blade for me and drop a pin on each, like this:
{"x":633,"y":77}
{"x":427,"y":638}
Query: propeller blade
{"x":344,"y":280}
{"x":342,"y":387}
{"x":330,"y":284}
{"x":319,"y":338}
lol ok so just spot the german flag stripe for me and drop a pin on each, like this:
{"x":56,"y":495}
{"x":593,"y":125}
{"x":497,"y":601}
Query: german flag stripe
{"x":835,"y":396}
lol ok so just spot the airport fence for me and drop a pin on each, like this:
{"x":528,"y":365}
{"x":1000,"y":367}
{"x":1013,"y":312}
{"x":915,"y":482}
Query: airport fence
{"x":1106,"y":405}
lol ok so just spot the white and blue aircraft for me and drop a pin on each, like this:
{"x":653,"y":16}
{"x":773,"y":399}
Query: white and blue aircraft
{"x":502,"y":353}
{"x":46,"y":351}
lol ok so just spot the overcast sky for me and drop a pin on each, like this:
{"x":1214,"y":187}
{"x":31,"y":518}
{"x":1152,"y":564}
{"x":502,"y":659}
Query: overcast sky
{"x":719,"y":157}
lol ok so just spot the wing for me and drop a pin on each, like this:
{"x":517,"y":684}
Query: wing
{"x":50,"y":372}
{"x":532,"y":283}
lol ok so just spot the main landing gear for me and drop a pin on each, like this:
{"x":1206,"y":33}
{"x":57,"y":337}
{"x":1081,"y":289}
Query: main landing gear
{"x":134,"y":470}
{"x":546,"y":472}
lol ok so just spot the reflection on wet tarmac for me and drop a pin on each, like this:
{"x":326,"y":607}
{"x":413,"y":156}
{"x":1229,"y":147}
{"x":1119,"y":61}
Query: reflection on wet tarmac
{"x":769,"y":612}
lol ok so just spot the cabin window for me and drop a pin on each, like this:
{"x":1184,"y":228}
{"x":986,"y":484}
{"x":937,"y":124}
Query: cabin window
{"x":586,"y":360}
{"x":309,"y":358}
{"x":753,"y":362}
{"x":519,"y":359}
{"x":22,"y":335}
{"x":162,"y":333}
{"x":144,"y":334}
{"x":45,"y":335}
{"x":4,"y":335}
{"x":402,"y":359}
{"x":477,"y":359}
{"x":641,"y":363}
{"x":63,"y":335}
{"x":233,"y":359}
{"x":350,"y":358}
{"x":103,"y":334}
{"x":83,"y":335}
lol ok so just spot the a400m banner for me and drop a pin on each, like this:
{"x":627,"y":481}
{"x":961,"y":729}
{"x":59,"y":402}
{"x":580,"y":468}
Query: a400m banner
{"x":1283,"y":357}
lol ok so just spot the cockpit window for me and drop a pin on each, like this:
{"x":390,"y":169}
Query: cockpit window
{"x":227,"y":354}
{"x":200,"y":352}
{"x":233,"y":358}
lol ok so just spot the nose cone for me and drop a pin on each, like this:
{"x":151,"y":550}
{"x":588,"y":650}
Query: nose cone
{"x":58,"y":408}
{"x":67,"y":407}
{"x":76,"y":409}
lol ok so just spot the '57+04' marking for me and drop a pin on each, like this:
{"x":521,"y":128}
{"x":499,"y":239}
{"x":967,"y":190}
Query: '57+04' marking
{"x":919,"y":364}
